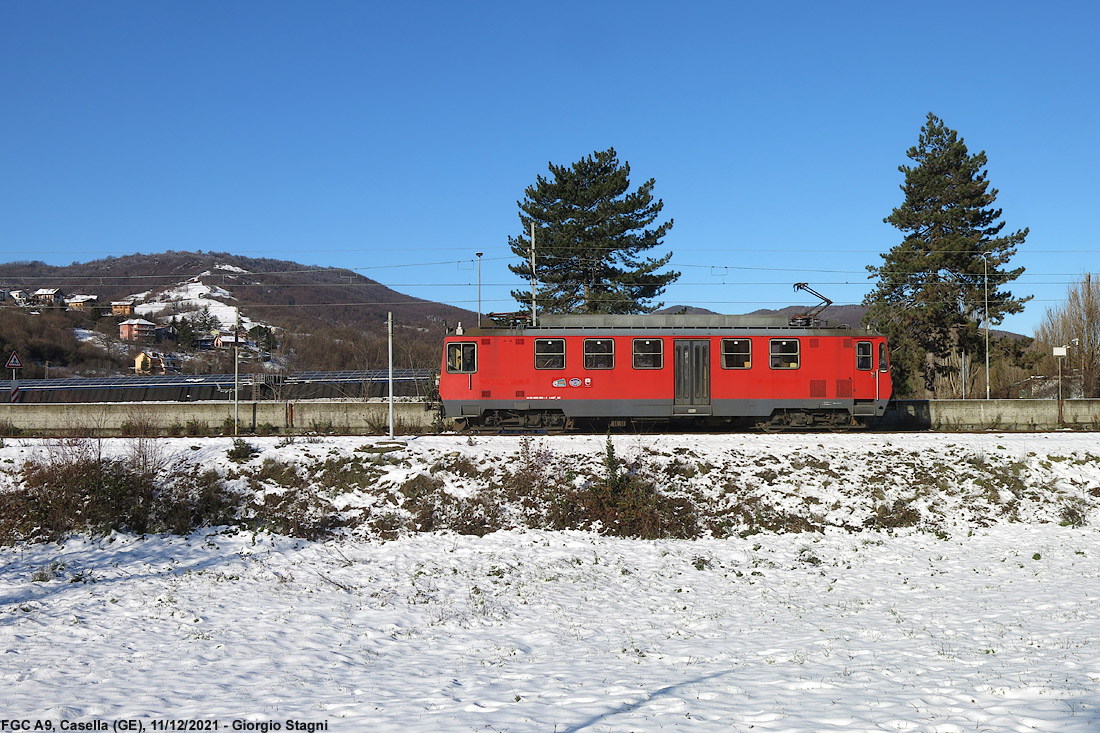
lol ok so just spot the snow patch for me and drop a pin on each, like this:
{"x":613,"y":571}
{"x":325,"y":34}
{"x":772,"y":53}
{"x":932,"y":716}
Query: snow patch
{"x":986,"y":628}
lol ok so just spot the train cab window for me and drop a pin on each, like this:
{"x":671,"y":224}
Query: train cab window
{"x":461,"y":357}
{"x":549,"y":353}
{"x":649,"y":354}
{"x":599,"y":354}
{"x":864,"y":360}
{"x":784,"y":354}
{"x":883,"y":358}
{"x":736,"y":354}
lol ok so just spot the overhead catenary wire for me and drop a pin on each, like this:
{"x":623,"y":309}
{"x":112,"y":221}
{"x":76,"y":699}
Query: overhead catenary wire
{"x":235,"y":280}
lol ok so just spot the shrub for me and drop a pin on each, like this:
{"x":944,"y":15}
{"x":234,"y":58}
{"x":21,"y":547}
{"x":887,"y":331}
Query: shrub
{"x":242,"y":451}
{"x":341,"y":475}
{"x":623,"y":503}
{"x":301,"y":513}
{"x":421,"y":494}
{"x":754,"y":514}
{"x":189,"y":501}
{"x":195,"y":427}
{"x":279,"y":473}
{"x":85,"y":493}
{"x":322,"y":427}
{"x":899,"y":513}
{"x":139,"y":423}
{"x":1074,"y":514}
{"x":74,"y":488}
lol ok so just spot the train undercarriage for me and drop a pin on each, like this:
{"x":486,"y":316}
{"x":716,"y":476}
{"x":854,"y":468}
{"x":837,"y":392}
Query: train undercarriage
{"x":554,"y":421}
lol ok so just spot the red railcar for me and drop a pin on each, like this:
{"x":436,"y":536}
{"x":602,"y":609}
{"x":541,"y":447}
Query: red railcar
{"x":702,"y":368}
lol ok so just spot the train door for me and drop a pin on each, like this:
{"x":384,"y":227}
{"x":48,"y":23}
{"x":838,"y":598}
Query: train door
{"x":872,"y":377}
{"x":692,"y":377}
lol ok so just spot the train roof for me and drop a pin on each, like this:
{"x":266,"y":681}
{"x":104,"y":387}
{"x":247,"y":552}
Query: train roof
{"x":517,"y":323}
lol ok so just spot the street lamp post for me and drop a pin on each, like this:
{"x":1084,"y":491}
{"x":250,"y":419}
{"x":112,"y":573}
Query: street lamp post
{"x":985,"y":270}
{"x":479,"y":288}
{"x":1060,"y":354}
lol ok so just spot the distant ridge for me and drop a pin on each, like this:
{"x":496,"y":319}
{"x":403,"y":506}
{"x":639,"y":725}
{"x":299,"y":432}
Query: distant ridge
{"x":689,"y":310}
{"x":280,"y":292}
{"x":322,"y":318}
{"x":851,"y":315}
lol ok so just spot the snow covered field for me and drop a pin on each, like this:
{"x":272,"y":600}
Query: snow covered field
{"x":983,"y":615}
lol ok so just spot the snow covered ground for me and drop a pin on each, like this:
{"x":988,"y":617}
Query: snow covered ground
{"x":981,"y":614}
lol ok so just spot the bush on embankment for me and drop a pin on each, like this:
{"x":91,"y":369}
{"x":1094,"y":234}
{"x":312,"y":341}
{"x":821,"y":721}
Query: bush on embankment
{"x":319,"y":487}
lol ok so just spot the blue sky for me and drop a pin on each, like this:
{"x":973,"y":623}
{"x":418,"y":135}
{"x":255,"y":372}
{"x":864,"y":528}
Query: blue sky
{"x":387,"y":137}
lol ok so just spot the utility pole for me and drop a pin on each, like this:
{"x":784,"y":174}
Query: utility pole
{"x":534,"y":317}
{"x":237,"y":373}
{"x":389,"y":329}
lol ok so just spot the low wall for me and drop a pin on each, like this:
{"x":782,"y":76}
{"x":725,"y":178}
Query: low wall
{"x":214,"y":418}
{"x":330,"y":416}
{"x":1007,"y":415}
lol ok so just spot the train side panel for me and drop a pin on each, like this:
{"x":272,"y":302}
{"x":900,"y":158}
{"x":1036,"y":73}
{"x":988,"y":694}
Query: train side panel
{"x":658,"y":375}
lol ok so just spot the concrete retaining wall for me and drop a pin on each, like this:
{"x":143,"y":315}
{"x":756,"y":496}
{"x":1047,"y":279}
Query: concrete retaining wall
{"x":1007,"y":415}
{"x":210,"y":418}
{"x":325,"y":416}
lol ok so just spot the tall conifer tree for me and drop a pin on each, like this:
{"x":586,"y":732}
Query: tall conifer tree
{"x":590,"y":236}
{"x":930,"y":299}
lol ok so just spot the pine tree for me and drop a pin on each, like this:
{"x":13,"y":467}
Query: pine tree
{"x":590,"y":235}
{"x":930,"y":299}
{"x":185,"y":333}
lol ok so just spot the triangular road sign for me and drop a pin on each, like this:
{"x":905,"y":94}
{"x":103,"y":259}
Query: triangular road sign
{"x":13,"y":361}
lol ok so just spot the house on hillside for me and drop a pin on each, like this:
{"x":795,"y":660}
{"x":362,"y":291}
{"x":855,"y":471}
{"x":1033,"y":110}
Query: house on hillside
{"x":48,"y":297}
{"x":82,"y":302}
{"x":122,"y":308}
{"x":137,"y":329}
{"x":19,"y":296}
{"x":229,"y":340}
{"x":154,"y":362}
{"x":204,"y":341}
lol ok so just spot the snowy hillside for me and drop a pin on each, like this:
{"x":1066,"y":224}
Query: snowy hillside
{"x":189,"y":299}
{"x":942,"y":583}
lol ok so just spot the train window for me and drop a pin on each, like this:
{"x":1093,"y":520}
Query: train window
{"x":784,"y":353}
{"x":736,"y":353}
{"x":599,"y":354}
{"x":649,"y":354}
{"x":883,"y":359}
{"x":461,"y":357}
{"x":549,"y":353}
{"x":864,"y":361}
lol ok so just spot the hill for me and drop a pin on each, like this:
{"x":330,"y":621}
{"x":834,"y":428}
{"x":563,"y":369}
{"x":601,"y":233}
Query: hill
{"x":324,"y":318}
{"x":851,"y":315}
{"x":278,"y":291}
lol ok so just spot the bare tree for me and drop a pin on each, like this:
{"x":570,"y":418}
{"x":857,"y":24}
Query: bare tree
{"x":1076,"y":323}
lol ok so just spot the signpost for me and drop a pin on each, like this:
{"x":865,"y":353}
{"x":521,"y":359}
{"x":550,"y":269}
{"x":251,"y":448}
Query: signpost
{"x":13,"y":364}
